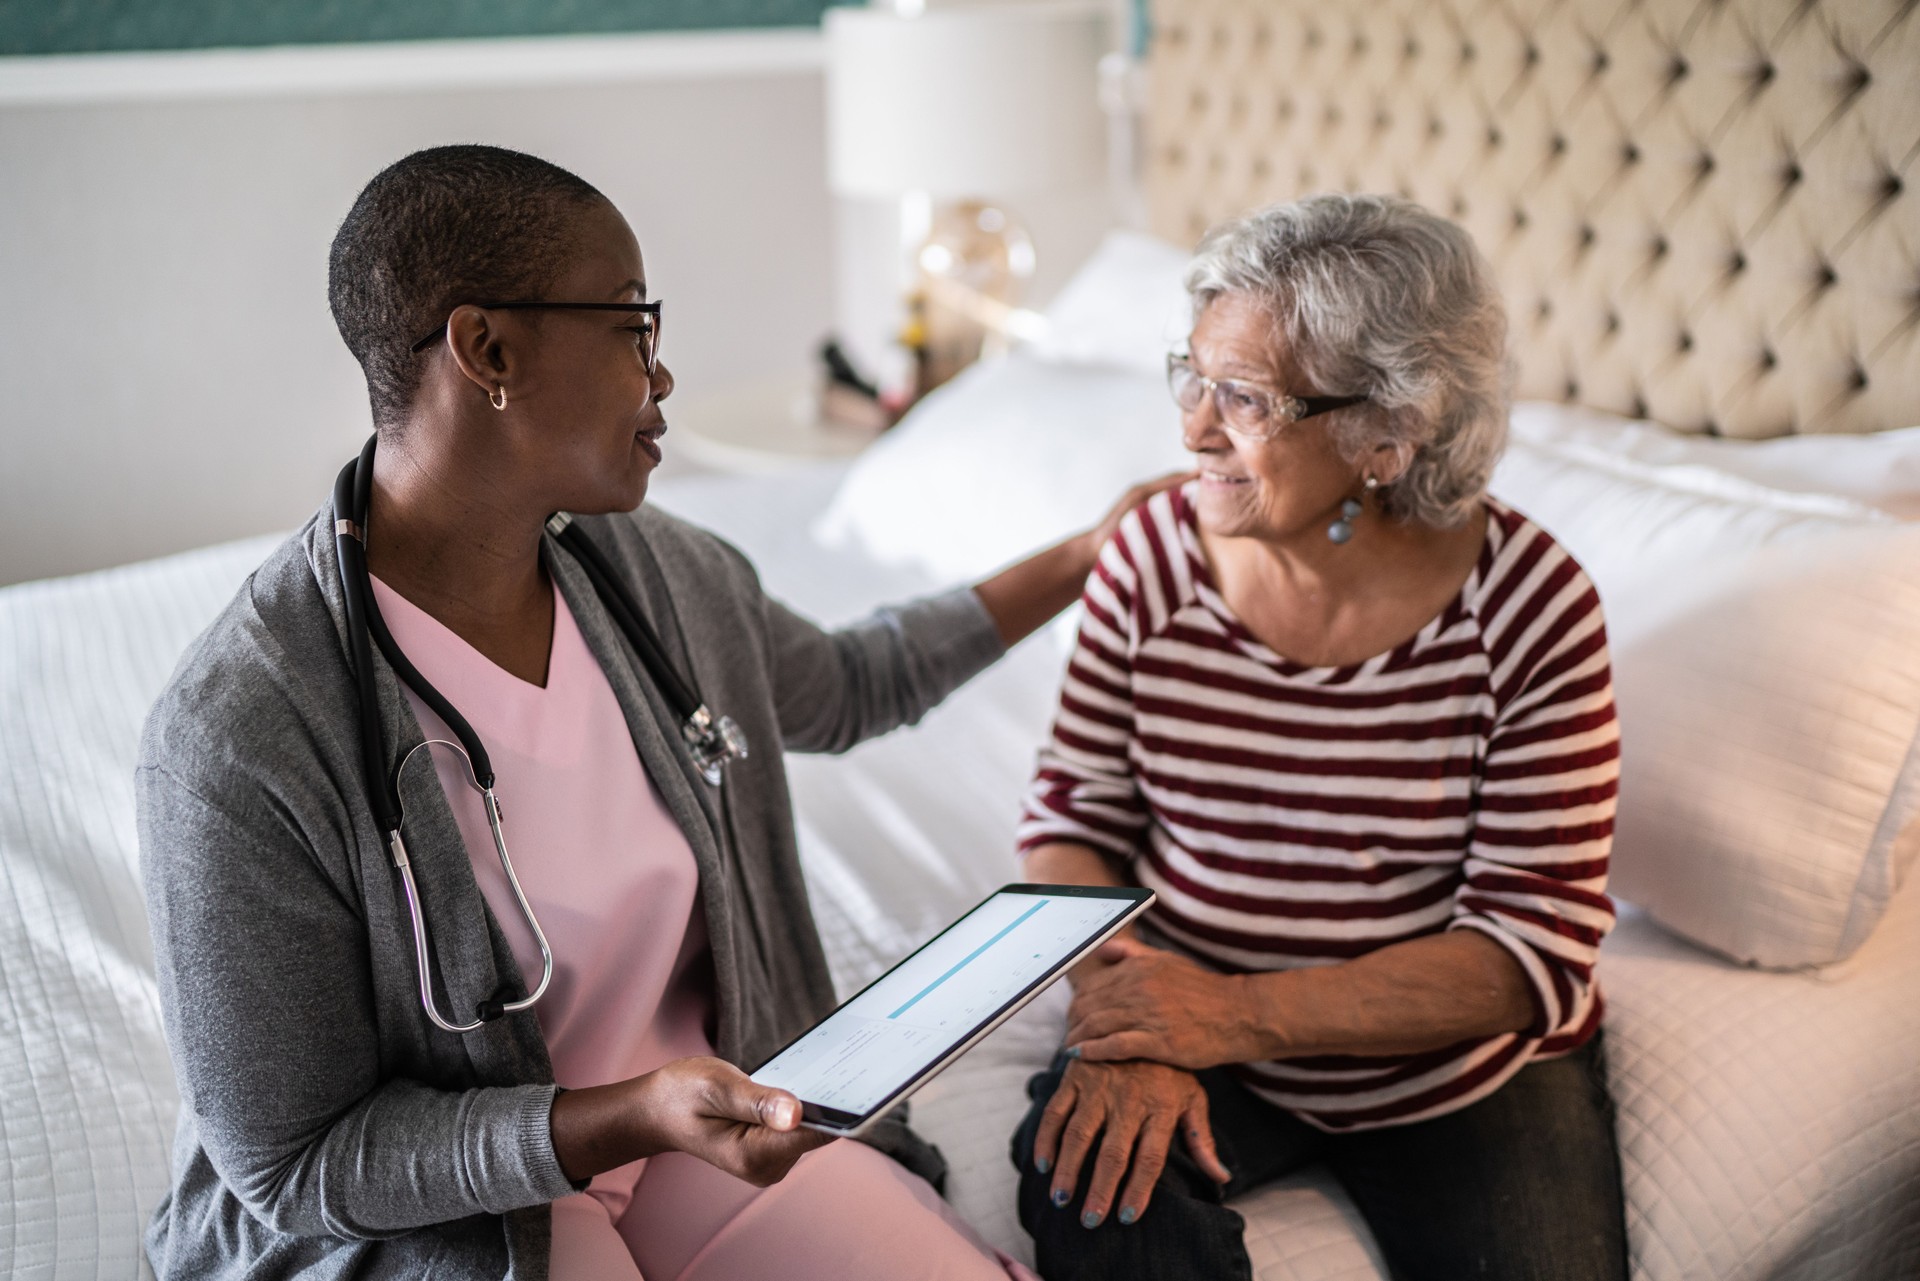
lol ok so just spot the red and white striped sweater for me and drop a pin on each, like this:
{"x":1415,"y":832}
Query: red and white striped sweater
{"x":1291,"y":816}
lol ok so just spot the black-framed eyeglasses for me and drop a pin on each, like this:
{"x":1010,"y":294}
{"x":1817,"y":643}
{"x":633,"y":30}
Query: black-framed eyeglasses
{"x":649,"y":333}
{"x":1246,"y":409}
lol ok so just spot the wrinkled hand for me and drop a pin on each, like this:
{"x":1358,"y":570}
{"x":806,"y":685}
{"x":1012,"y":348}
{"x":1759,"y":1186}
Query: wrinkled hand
{"x":1097,"y":537}
{"x":1134,"y":1109}
{"x":712,"y":1110}
{"x":1147,"y":1003}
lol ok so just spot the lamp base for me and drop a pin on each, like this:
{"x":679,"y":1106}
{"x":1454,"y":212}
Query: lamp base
{"x":970,"y":273}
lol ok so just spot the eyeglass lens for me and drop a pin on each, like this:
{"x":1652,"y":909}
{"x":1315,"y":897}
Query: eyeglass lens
{"x":1242,"y":408}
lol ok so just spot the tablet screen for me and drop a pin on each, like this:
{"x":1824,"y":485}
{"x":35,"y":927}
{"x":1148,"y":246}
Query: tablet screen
{"x":910,"y":1018}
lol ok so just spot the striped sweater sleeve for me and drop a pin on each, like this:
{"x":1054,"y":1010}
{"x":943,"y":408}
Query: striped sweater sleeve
{"x":1536,"y":868}
{"x":1083,"y":789}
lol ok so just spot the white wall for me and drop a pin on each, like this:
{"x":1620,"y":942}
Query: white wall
{"x":171,"y":376}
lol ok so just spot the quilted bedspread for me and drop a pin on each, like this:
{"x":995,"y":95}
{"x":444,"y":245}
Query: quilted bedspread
{"x":1770,"y":1123}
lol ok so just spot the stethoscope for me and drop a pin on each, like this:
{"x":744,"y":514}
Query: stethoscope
{"x":711,"y":740}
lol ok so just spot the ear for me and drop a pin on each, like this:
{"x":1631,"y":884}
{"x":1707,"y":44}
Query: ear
{"x":1387,"y":462}
{"x":476,"y":346}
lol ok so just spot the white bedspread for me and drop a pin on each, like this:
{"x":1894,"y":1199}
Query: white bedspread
{"x":1770,"y":1123}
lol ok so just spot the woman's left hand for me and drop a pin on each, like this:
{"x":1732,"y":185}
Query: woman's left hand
{"x":1152,"y":1004}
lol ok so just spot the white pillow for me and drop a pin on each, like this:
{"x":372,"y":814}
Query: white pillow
{"x":1125,"y":307}
{"x":1881,"y":470}
{"x":1769,"y":701}
{"x":1012,"y":455}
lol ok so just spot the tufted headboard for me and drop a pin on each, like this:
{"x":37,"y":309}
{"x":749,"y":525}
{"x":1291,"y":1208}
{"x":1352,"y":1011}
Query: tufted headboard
{"x":1705,"y":212}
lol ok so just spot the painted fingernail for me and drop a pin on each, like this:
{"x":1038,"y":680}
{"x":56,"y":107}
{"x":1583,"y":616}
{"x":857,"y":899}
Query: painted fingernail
{"x":1090,"y":1219}
{"x":1061,"y":1196}
{"x":1073,"y":1051}
{"x":1041,"y":1164}
{"x":1128,"y":1214}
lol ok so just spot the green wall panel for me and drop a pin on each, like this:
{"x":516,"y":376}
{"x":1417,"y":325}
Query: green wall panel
{"x":86,"y":26}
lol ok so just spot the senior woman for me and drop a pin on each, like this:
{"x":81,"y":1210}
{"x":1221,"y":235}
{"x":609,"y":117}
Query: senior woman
{"x":1352,"y":720}
{"x":340,"y":1118}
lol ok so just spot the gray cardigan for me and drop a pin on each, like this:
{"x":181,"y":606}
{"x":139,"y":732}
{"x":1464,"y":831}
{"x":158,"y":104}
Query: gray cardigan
{"x":326,"y":1128}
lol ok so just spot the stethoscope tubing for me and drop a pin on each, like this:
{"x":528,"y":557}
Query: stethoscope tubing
{"x":712,"y":740}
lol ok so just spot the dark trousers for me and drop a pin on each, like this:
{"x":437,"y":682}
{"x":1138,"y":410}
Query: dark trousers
{"x":1522,"y":1186}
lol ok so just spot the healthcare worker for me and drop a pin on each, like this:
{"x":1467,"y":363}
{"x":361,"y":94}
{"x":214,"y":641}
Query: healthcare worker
{"x":477,"y":1008}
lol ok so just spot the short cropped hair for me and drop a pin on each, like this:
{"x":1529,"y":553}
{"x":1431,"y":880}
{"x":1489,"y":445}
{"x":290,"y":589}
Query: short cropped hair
{"x":442,"y":227}
{"x":1376,"y":296}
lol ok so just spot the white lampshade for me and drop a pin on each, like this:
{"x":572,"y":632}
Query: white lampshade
{"x":983,"y":100}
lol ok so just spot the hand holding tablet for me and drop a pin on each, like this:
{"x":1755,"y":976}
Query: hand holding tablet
{"x":907,"y":1025}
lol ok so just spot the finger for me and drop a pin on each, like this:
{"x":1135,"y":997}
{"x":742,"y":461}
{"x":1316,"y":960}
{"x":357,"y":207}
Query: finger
{"x":1149,"y":1158}
{"x":1046,"y":1138}
{"x":741,"y":1099}
{"x":1076,"y":1140}
{"x":1131,"y":1043}
{"x":1088,"y":1025}
{"x":1116,"y":1153}
{"x":1121,"y":946}
{"x":1197,"y":1125}
{"x":768,"y":1156}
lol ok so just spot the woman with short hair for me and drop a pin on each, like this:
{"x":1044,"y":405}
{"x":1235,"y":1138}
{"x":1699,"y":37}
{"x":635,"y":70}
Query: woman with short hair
{"x":1352,"y":720}
{"x":502,"y":1104}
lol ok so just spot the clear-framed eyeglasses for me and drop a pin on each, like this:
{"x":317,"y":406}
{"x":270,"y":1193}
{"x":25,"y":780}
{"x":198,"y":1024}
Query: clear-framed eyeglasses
{"x":1245,"y":409}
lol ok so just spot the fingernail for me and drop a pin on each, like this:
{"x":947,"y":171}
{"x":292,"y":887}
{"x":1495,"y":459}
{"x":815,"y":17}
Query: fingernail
{"x":1128,"y":1214}
{"x":783,"y":1114}
{"x":1090,"y":1219}
{"x":1073,"y":1051}
{"x":1061,"y":1196}
{"x":1041,"y":1164}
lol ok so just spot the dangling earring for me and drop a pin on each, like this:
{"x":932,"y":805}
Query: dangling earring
{"x":497,"y":397}
{"x":1342,"y":529}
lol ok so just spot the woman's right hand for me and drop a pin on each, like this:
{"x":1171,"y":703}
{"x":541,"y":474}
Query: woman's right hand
{"x":1135,"y":1108}
{"x":704,"y":1107}
{"x":711,"y":1109}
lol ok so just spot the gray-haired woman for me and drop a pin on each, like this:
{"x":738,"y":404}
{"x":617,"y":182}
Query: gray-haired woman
{"x":1353,"y":721}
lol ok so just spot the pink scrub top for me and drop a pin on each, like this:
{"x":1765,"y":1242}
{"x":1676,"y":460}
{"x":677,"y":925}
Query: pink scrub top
{"x":607,"y":870}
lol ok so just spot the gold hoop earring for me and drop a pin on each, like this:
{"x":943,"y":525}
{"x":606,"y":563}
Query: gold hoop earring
{"x":497,"y":397}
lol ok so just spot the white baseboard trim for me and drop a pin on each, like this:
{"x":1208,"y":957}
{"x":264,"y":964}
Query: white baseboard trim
{"x":407,"y":66}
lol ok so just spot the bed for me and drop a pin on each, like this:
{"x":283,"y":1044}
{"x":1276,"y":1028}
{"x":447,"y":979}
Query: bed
{"x":1713,"y":362}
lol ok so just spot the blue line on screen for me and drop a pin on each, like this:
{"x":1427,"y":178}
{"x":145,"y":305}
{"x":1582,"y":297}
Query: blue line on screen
{"x":971,"y":957}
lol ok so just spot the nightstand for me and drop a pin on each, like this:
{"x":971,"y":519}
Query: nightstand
{"x":757,"y":429}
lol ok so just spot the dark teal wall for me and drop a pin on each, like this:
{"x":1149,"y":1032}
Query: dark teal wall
{"x":85,"y":26}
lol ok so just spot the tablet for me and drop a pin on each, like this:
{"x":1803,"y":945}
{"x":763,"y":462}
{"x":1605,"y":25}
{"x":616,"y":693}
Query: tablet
{"x":911,"y":1022}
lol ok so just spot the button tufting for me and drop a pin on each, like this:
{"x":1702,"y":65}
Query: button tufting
{"x":1793,"y":175}
{"x":1559,"y":145}
{"x":1587,"y":237}
{"x":1679,"y":69}
{"x":1827,"y":278}
{"x":1891,"y":186}
{"x":1686,"y":341}
{"x":1737,"y":263}
{"x":1859,"y":380}
{"x":1630,"y":154}
{"x":1764,"y":73}
{"x":1640,"y":407}
{"x":1493,"y":137}
{"x":1613,"y":322}
{"x":1601,"y":61}
{"x":1573,"y":389}
{"x":1768,"y":360}
{"x":1660,"y":247}
{"x":1467,"y":51}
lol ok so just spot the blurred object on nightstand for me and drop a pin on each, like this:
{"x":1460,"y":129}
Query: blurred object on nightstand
{"x":767,"y":428}
{"x":850,"y":399}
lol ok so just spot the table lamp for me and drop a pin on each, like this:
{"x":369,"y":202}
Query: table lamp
{"x":952,"y":111}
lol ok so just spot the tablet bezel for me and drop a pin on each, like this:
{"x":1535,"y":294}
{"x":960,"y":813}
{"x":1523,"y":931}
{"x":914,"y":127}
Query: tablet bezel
{"x":845,"y":1124}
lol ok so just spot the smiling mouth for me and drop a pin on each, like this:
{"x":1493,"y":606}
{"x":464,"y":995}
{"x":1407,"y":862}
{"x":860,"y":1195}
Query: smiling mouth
{"x":1224,"y":478}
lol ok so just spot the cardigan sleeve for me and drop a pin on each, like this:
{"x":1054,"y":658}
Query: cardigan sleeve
{"x":266,"y":992}
{"x":837,"y":688}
